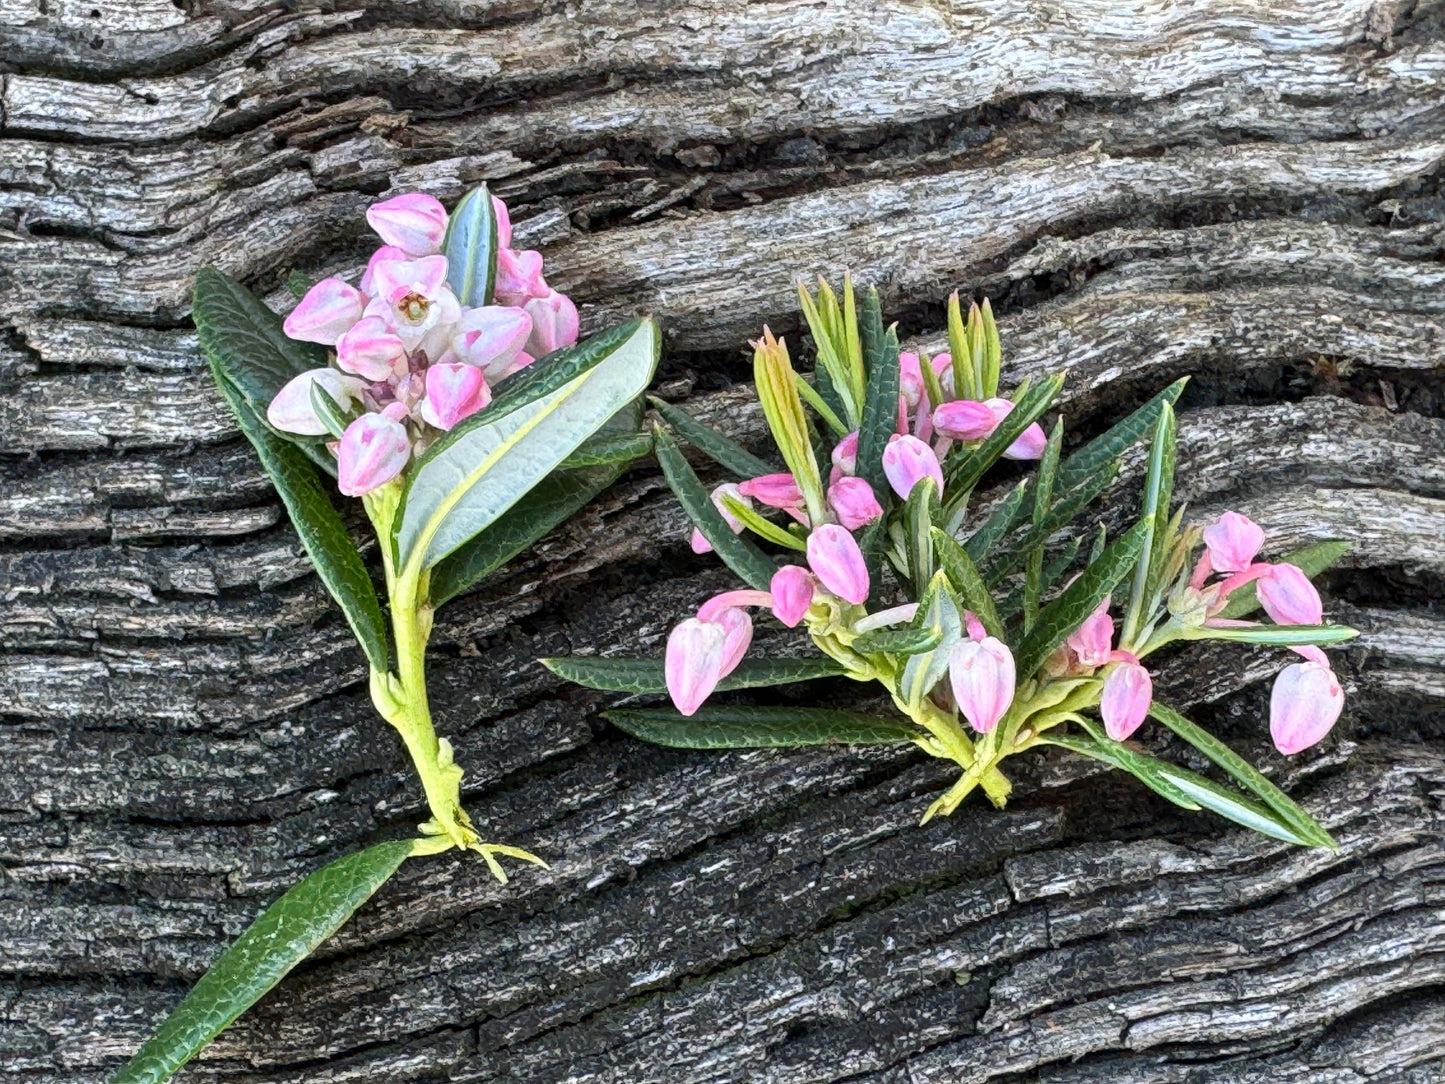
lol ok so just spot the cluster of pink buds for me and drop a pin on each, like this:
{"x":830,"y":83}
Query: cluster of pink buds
{"x":410,"y":360}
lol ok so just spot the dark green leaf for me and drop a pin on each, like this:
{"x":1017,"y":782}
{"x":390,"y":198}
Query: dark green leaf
{"x":285,"y":934}
{"x":1065,"y":613}
{"x":317,"y":525}
{"x":1154,"y":515}
{"x":1058,"y":517}
{"x":722,"y":450}
{"x":332,"y":414}
{"x":920,"y":512}
{"x":624,"y":675}
{"x":1108,"y":445}
{"x":964,"y":472}
{"x":470,"y":246}
{"x":621,"y":449}
{"x":964,"y":576}
{"x":880,"y":406}
{"x":898,"y":641}
{"x":299,"y":283}
{"x":740,"y":555}
{"x":744,"y":727}
{"x":1311,"y":560}
{"x":1140,"y":765}
{"x":1001,"y":520}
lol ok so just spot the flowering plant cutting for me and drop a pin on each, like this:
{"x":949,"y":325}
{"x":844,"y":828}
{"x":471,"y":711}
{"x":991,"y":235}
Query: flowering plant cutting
{"x":994,"y":630}
{"x":448,"y":391}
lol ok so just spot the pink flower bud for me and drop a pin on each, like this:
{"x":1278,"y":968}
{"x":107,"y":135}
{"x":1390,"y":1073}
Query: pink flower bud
{"x":693,"y":664}
{"x":370,"y":349}
{"x":1128,"y":691}
{"x":964,"y":419}
{"x":414,"y":223}
{"x":327,"y":310}
{"x":1092,"y":641}
{"x":845,"y":454}
{"x":698,"y":542}
{"x":504,"y":223}
{"x":1303,"y":706}
{"x":910,"y":379}
{"x":519,"y":277}
{"x":374,"y":450}
{"x":554,"y":323}
{"x":943,"y":366}
{"x":836,"y":560}
{"x":737,"y":628}
{"x":385,"y":252}
{"x":1288,"y":596}
{"x":1031,"y":442}
{"x":773,"y":490}
{"x":907,"y":461}
{"x":973,"y":626}
{"x":1233,"y":541}
{"x":792,"y":590}
{"x":982,"y":675}
{"x":454,"y":391}
{"x":291,"y":411}
{"x":854,"y":502}
{"x":492,"y":338}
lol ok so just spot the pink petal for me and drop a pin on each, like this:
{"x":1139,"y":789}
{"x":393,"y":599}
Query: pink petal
{"x":554,"y":323}
{"x":982,"y":675}
{"x":1288,"y":596}
{"x":964,"y":419}
{"x":836,"y":560}
{"x":693,"y":663}
{"x":907,"y":461}
{"x":370,"y":349}
{"x":291,"y":411}
{"x":1303,"y":706}
{"x":414,"y":223}
{"x":327,"y":310}
{"x":454,"y":391}
{"x":374,"y":450}
{"x":1128,"y":692}
{"x":854,"y":502}
{"x":492,"y":338}
{"x":519,"y":277}
{"x":1233,"y":541}
{"x":792,"y":591}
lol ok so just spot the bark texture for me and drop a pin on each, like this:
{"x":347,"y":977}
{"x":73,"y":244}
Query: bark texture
{"x":1243,"y":191}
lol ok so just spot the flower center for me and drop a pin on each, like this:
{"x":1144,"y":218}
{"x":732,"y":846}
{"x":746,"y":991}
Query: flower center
{"x":413,"y":308}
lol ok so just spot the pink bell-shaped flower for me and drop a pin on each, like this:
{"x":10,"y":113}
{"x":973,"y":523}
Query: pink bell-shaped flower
{"x":291,"y":411}
{"x":1128,"y":692}
{"x":737,"y":626}
{"x":519,"y":277}
{"x":328,"y":309}
{"x":693,"y":662}
{"x":964,"y":419}
{"x":414,"y":223}
{"x":982,"y":675}
{"x":1030,"y":443}
{"x":1303,"y":706}
{"x":698,"y":542}
{"x":853,"y":501}
{"x":1092,"y":641}
{"x":907,"y":461}
{"x":454,"y":390}
{"x":370,"y":348}
{"x":792,"y":591}
{"x":373,"y":450}
{"x":492,"y":338}
{"x":1288,"y":596}
{"x":385,"y":252}
{"x":836,"y":560}
{"x":1233,"y":541}
{"x":554,"y":323}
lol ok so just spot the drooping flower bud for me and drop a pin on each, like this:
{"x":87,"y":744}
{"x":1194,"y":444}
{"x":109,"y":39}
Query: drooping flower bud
{"x":737,"y":626}
{"x":291,"y":411}
{"x":1288,"y":596}
{"x":792,"y":590}
{"x":845,"y":454}
{"x":836,"y":560}
{"x":698,"y":542}
{"x":414,"y":223}
{"x":1303,"y":706}
{"x":370,"y":348}
{"x":554,"y":323}
{"x":906,"y":461}
{"x":1030,"y":443}
{"x":1128,"y":691}
{"x":374,"y":450}
{"x":1233,"y":541}
{"x":774,"y":490}
{"x":910,"y":378}
{"x":519,"y":277}
{"x":853,"y":501}
{"x":693,"y":663}
{"x":492,"y":338}
{"x":1092,"y":641}
{"x":982,"y":675}
{"x":964,"y":419}
{"x":454,"y":390}
{"x":328,"y":309}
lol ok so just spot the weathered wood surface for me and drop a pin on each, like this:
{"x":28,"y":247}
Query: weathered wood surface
{"x":1243,"y":191}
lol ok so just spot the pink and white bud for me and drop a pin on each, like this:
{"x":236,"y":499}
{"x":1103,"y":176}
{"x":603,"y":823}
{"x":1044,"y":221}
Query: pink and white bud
{"x":554,"y":323}
{"x":1303,"y":706}
{"x":385,"y":252}
{"x":291,"y":411}
{"x":910,"y":379}
{"x":792,"y":591}
{"x":492,"y":338}
{"x":1092,"y":641}
{"x":519,"y":277}
{"x":454,"y":390}
{"x":943,"y":366}
{"x":964,"y":419}
{"x":845,"y":454}
{"x":370,"y":349}
{"x":504,"y":223}
{"x":1288,"y":596}
{"x":325,"y":313}
{"x":693,"y":663}
{"x":737,"y":626}
{"x":836,"y":560}
{"x":1030,"y":443}
{"x":853,"y":501}
{"x":698,"y":542}
{"x":907,"y":461}
{"x":373,"y":450}
{"x":414,"y":223}
{"x":982,"y":675}
{"x":774,"y":490}
{"x":1233,"y":541}
{"x":1128,"y":691}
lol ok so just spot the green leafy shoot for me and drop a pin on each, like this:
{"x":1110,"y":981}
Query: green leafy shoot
{"x":722,"y":450}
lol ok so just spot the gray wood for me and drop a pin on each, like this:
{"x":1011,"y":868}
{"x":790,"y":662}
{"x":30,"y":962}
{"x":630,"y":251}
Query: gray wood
{"x":1245,"y":192}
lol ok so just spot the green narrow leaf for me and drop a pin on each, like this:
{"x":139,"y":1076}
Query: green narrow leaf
{"x":1231,"y":805}
{"x":1001,"y":520}
{"x":820,"y":406}
{"x":723,"y":451}
{"x":1118,"y":755}
{"x":1154,"y":516}
{"x":470,"y":246}
{"x":285,"y":934}
{"x":1058,"y":517}
{"x":880,"y":407}
{"x":1108,"y":445}
{"x":1277,"y":635}
{"x":932,"y":386}
{"x":743,"y":727}
{"x":622,"y":449}
{"x":762,"y":527}
{"x":632,"y":675}
{"x":1043,"y":497}
{"x":332,"y":414}
{"x":1284,"y":807}
{"x":899,"y":641}
{"x":1065,"y":613}
{"x":960,"y":353}
{"x":1311,"y":560}
{"x":471,"y":476}
{"x":320,"y":529}
{"x":740,"y":555}
{"x":920,"y":511}
{"x":828,"y":391}
{"x":963,"y":574}
{"x":992,"y":351}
